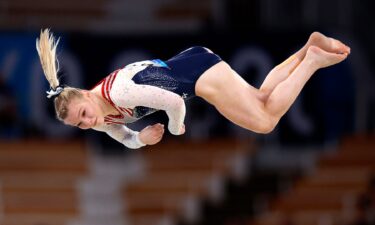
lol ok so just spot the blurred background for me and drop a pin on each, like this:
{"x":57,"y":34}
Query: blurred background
{"x":317,"y":167}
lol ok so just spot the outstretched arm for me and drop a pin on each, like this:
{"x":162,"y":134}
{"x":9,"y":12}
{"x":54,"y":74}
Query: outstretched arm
{"x":132,"y":95}
{"x":150,"y":135}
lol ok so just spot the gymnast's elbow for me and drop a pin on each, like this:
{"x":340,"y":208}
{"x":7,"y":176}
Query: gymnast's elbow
{"x":179,"y":105}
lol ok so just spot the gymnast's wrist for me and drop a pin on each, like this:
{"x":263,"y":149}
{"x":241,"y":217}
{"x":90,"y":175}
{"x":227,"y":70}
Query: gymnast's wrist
{"x":139,"y":141}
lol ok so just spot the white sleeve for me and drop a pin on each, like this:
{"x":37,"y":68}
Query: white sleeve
{"x":132,"y":95}
{"x":123,"y":134}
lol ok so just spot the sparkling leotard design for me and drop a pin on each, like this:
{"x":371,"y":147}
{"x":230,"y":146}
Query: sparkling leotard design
{"x":134,"y":101}
{"x":142,"y":88}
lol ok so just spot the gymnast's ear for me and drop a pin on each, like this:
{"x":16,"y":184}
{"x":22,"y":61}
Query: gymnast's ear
{"x":86,"y":93}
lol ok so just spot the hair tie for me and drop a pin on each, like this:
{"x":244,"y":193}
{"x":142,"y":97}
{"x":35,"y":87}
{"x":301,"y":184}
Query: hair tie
{"x":54,"y":92}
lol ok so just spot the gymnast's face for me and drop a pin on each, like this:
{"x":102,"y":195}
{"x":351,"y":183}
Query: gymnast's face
{"x":84,"y":112}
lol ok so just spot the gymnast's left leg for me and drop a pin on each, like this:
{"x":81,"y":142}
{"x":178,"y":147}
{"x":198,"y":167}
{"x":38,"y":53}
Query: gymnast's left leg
{"x":283,"y":70}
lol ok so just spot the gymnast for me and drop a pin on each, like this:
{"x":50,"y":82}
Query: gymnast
{"x":141,"y":88}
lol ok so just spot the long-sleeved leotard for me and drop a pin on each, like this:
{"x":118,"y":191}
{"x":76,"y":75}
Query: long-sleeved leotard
{"x":122,"y":134}
{"x":142,"y":88}
{"x":133,"y":101}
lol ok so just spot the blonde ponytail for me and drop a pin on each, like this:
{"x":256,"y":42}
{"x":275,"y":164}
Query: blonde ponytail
{"x":46,"y":47}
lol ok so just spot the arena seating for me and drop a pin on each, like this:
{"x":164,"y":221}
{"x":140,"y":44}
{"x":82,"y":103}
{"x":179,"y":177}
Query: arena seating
{"x":178,"y":176}
{"x":67,"y":14}
{"x":330,"y":194}
{"x":41,"y":182}
{"x":104,"y":15}
{"x":38,"y":181}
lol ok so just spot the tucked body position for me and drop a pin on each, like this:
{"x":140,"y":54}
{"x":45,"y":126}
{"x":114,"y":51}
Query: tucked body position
{"x":141,"y":88}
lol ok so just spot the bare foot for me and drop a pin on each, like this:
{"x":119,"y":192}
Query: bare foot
{"x":327,"y":44}
{"x":322,"y":58}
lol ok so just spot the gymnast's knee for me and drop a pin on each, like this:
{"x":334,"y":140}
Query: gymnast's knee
{"x":267,"y":125}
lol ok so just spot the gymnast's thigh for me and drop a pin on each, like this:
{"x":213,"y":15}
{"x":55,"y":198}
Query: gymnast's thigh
{"x":232,"y":96}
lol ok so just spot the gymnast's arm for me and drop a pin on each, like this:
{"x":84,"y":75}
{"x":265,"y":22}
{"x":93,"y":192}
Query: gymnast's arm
{"x":122,"y":134}
{"x":149,"y":135}
{"x":132,"y":95}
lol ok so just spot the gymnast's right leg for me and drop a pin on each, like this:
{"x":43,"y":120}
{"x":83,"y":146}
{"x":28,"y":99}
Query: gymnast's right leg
{"x":245,"y":105}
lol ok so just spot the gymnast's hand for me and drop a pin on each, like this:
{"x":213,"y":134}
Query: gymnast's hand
{"x":151,"y":135}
